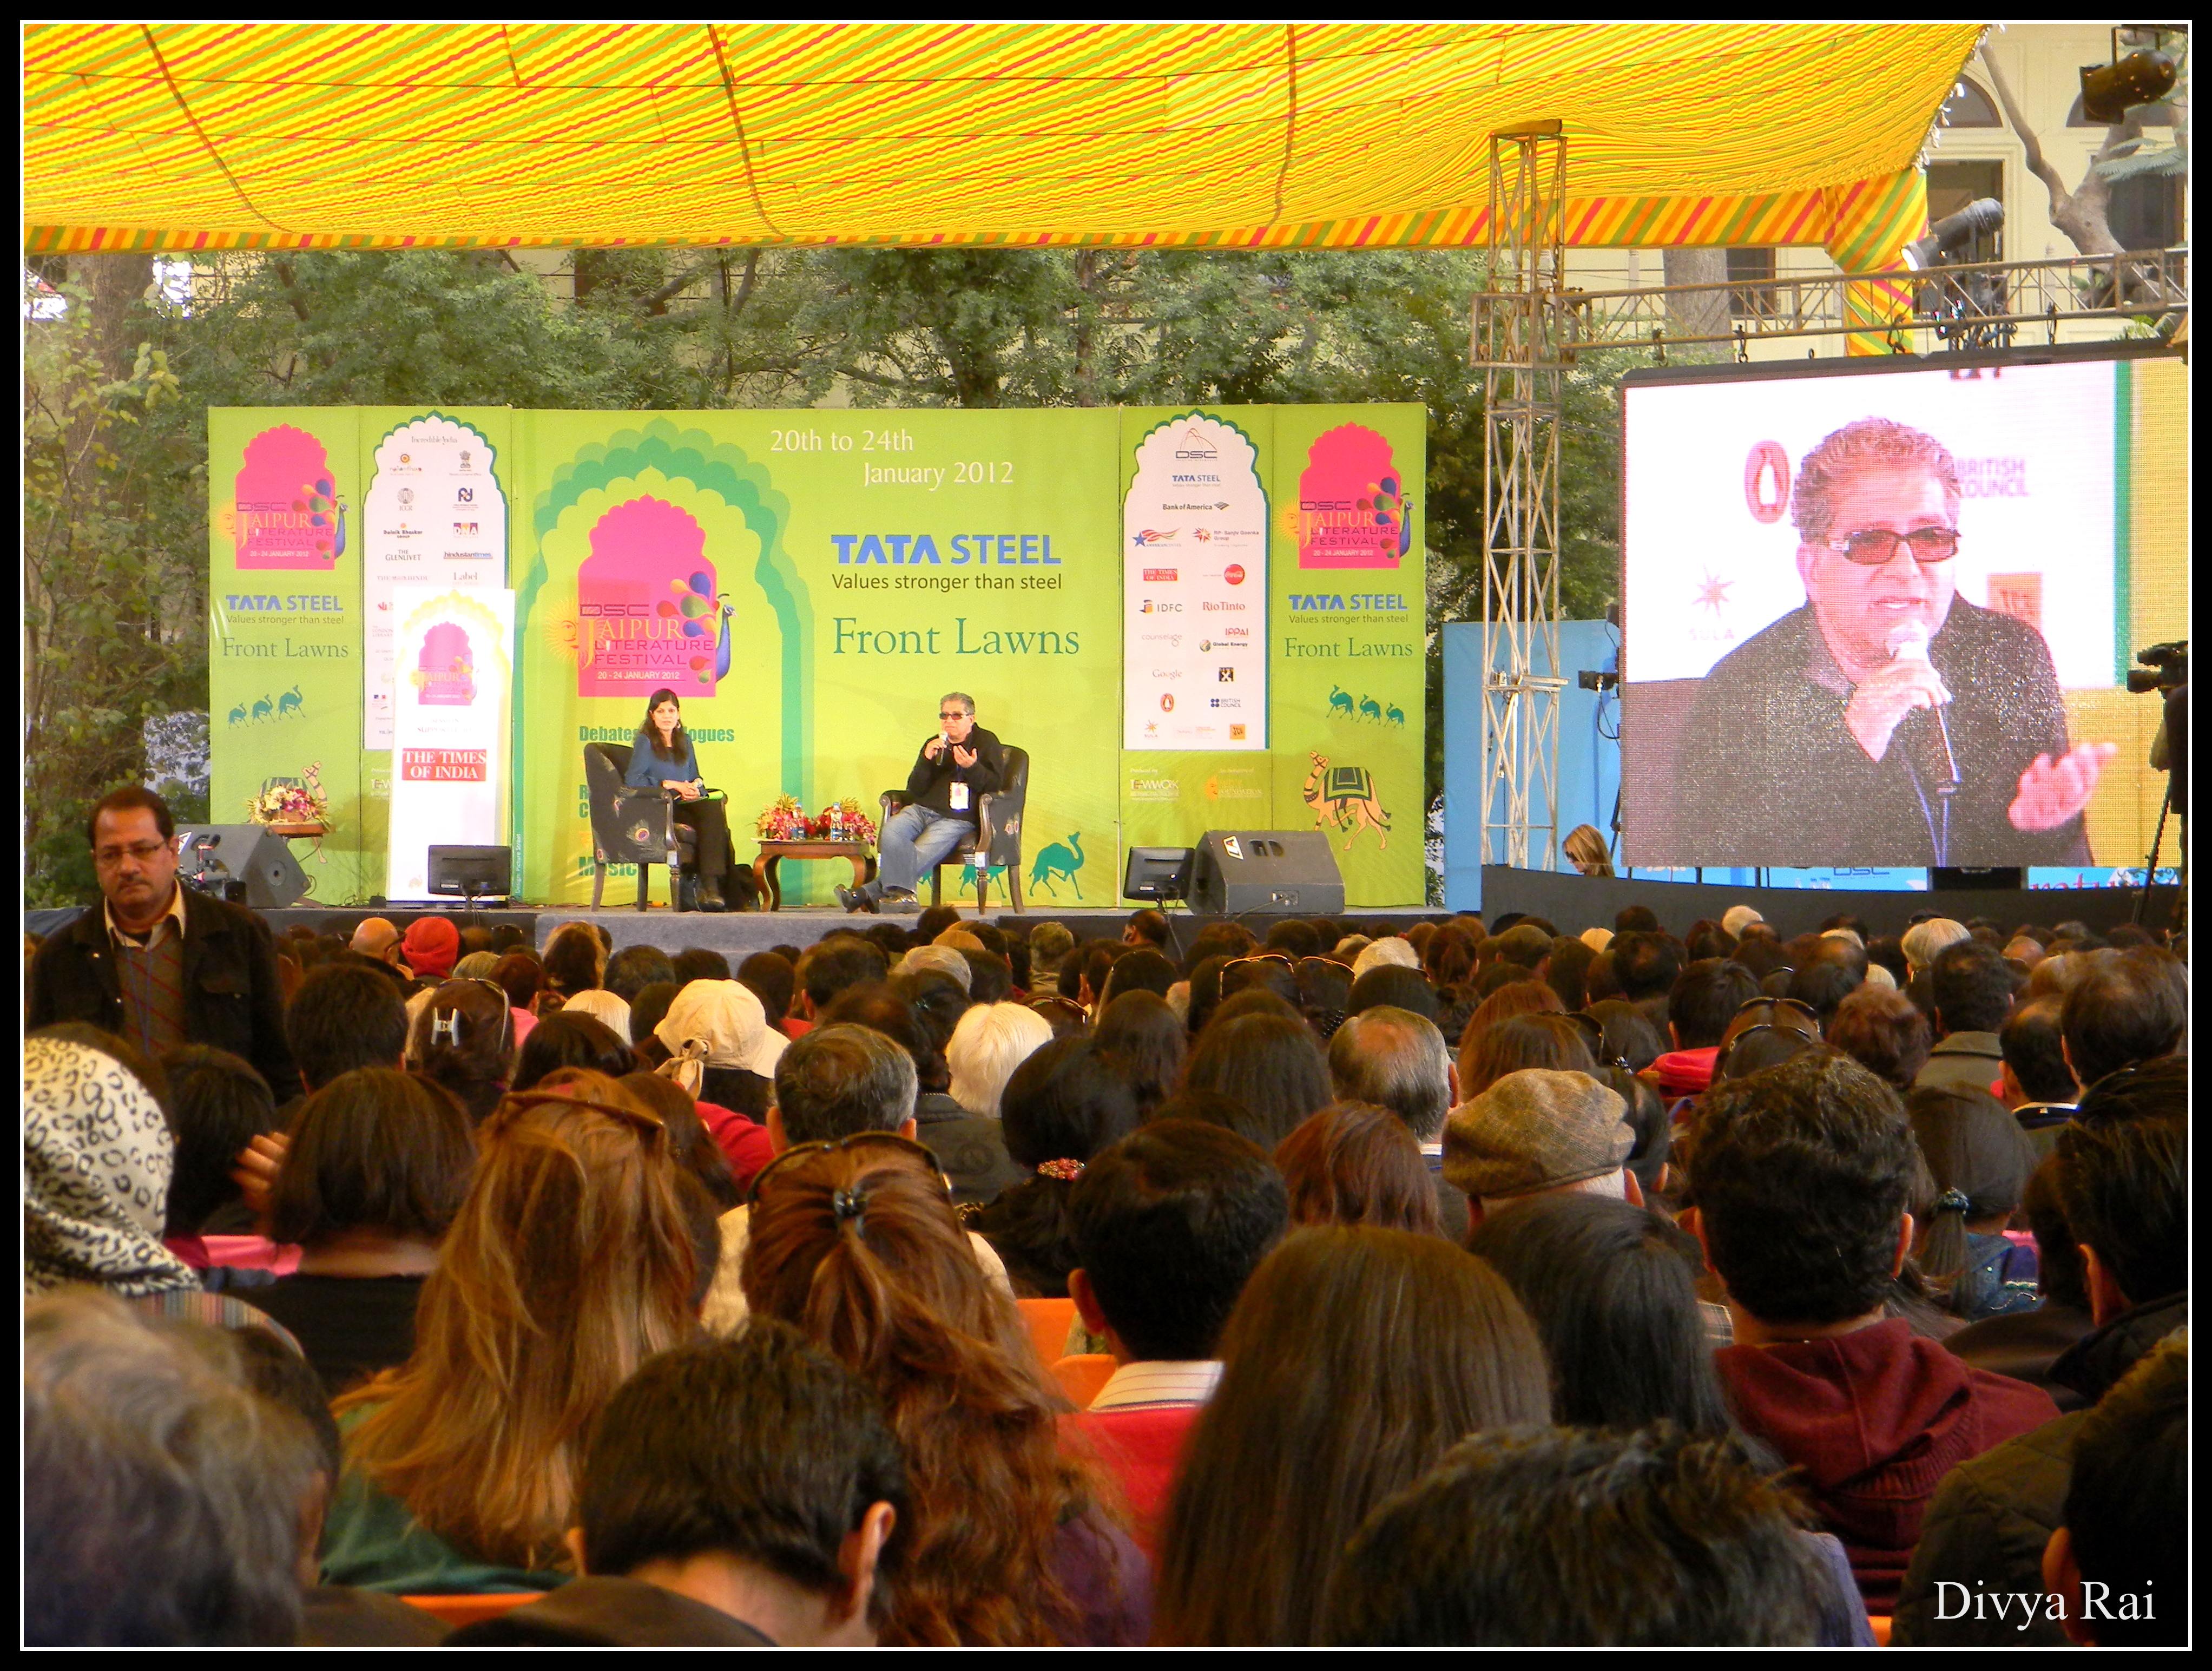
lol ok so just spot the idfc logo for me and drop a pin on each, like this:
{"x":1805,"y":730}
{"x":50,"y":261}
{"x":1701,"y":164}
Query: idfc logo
{"x":1144,"y":537}
{"x":1160,"y":577}
{"x":1234,"y":574}
{"x":1150,"y":607}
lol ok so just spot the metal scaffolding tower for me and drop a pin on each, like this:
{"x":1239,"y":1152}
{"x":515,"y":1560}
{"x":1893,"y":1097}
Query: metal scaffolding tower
{"x":1516,"y":345}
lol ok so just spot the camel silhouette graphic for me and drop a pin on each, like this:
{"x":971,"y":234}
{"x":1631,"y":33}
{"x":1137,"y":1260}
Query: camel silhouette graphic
{"x":1061,"y":860}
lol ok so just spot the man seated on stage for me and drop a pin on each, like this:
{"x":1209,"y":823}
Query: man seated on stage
{"x":955,"y":770}
{"x":1806,"y":743}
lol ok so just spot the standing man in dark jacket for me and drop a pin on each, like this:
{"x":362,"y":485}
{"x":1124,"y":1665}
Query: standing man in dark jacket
{"x":951,"y":773}
{"x":160,"y":965}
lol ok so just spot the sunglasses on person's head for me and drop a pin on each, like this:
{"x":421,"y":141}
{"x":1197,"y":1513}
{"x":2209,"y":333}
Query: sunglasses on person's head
{"x":891,"y":1141}
{"x":1736,"y":1043}
{"x":1259,"y":958}
{"x":1873,"y":547}
{"x":1797,"y":1004}
{"x":1593,"y":1032}
{"x":515,"y":1105}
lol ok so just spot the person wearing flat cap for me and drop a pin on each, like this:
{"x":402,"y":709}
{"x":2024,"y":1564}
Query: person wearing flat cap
{"x":1540,"y":1132}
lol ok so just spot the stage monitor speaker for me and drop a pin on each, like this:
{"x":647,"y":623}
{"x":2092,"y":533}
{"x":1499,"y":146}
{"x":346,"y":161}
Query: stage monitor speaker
{"x":241,"y":862}
{"x":1290,"y":870}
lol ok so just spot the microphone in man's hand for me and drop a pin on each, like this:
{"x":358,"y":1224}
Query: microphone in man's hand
{"x":1929,"y":738}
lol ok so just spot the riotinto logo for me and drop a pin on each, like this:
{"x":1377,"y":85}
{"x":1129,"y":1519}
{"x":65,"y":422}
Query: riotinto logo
{"x":1005,"y":550}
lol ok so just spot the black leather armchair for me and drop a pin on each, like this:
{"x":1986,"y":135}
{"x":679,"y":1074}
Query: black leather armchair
{"x":998,"y":837}
{"x":633,"y":827}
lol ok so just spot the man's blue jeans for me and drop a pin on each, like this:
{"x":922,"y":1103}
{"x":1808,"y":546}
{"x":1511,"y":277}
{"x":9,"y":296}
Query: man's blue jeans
{"x":913,"y":844}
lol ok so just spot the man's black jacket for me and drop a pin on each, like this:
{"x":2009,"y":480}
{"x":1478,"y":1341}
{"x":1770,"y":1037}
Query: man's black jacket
{"x":233,"y":1000}
{"x":930,"y":783}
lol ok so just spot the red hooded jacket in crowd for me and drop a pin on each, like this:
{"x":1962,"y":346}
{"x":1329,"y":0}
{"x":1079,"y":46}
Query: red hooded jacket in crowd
{"x":1873,"y":1420}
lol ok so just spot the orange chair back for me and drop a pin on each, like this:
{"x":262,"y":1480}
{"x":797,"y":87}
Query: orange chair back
{"x":460,"y":1610}
{"x":1049,"y":1322}
{"x":1882,"y":1622}
{"x":1082,"y":1376}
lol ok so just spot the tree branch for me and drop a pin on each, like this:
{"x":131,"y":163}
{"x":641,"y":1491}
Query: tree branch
{"x":2038,"y":164}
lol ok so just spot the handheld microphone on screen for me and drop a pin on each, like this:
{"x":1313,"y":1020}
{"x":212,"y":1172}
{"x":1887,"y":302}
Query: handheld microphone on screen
{"x":1930,"y":738}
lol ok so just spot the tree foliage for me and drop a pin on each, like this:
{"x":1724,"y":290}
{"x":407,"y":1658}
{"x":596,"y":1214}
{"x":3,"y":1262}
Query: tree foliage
{"x":116,"y":447}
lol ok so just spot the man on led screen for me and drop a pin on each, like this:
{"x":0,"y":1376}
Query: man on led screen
{"x":1887,"y":721}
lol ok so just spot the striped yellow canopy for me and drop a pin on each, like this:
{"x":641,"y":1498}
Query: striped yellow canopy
{"x":1229,"y":136}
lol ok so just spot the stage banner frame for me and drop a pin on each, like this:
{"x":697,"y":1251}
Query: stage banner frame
{"x":813,"y":580}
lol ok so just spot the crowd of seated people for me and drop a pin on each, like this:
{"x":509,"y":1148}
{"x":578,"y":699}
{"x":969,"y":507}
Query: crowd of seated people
{"x":1355,"y":1283}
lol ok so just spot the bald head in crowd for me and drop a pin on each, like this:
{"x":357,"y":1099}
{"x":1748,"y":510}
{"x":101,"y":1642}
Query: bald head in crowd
{"x":377,"y":938}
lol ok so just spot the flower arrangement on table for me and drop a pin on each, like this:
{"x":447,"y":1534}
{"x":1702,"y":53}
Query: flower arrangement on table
{"x":783,"y":819}
{"x":283,"y":805}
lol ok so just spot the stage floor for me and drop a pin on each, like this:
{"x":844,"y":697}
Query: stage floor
{"x":738,"y":934}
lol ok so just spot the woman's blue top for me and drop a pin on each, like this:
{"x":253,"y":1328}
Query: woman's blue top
{"x":647,"y":769}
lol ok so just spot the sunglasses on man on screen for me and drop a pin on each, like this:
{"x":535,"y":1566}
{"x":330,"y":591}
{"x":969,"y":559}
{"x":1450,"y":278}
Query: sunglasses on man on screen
{"x":1871,"y":547}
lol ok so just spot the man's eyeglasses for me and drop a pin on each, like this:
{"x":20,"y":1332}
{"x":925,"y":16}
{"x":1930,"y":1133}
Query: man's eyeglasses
{"x":950,"y":717}
{"x":890,"y":1140}
{"x":143,"y":852}
{"x":1873,"y":547}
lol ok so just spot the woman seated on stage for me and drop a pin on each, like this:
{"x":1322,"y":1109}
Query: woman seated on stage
{"x":662,"y":757}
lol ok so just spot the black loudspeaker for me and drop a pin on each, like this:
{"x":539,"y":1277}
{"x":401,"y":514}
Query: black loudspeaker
{"x":241,"y":862}
{"x":1266,"y":870}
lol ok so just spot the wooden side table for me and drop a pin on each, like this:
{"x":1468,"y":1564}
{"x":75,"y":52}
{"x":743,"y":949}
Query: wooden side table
{"x":773,"y":853}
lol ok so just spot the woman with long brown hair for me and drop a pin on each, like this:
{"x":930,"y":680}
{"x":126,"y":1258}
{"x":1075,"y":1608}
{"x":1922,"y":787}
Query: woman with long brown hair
{"x":570,"y":1263}
{"x":1355,"y":1358}
{"x":855,"y":1243}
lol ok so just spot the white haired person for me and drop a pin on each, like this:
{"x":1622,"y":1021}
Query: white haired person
{"x":989,"y":1042}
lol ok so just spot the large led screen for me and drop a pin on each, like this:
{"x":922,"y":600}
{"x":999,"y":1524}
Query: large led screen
{"x":1884,"y":617}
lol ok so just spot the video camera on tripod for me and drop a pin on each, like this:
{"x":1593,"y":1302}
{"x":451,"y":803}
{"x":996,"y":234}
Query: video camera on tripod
{"x":2168,"y":665}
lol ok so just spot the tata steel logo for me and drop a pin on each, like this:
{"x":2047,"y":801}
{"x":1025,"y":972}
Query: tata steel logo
{"x":1234,"y":574}
{"x":1144,"y":537}
{"x":1159,"y":576}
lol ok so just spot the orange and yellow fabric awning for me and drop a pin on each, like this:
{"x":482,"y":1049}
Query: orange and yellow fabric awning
{"x":188,"y":136}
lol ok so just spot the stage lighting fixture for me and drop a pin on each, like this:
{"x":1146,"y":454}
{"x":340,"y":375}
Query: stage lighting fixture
{"x":2109,"y":91}
{"x":1951,"y":234}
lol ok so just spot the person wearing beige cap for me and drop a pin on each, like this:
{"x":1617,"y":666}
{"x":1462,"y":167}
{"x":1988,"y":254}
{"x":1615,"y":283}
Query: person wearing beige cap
{"x":714,"y":1028}
{"x":1540,"y":1132}
{"x":1737,"y":918}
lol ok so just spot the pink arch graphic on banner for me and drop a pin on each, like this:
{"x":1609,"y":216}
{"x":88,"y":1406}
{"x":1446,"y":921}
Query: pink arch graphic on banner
{"x":287,"y":514}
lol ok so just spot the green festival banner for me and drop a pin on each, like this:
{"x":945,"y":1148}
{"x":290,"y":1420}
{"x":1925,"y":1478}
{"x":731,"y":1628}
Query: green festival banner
{"x":809,"y":583}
